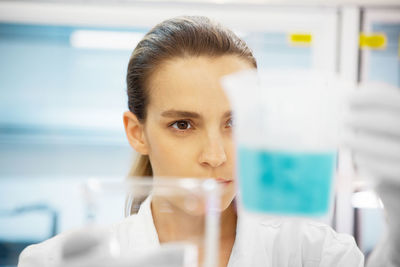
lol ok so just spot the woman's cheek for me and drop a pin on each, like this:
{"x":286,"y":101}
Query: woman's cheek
{"x":182,"y":152}
{"x":174,"y":157}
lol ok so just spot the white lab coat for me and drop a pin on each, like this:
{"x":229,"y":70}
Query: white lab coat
{"x":270,"y":242}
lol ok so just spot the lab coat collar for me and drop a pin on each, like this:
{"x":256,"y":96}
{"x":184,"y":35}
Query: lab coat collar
{"x":142,"y":232}
{"x":146,"y":236}
{"x":145,"y":212}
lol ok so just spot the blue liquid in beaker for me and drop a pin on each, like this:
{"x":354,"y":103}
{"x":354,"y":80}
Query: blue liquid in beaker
{"x":286,"y":182}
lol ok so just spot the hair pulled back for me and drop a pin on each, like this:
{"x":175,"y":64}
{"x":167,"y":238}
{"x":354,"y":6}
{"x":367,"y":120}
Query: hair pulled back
{"x":187,"y":36}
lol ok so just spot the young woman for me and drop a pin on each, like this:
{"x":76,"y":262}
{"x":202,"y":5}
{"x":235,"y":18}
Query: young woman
{"x":179,"y":121}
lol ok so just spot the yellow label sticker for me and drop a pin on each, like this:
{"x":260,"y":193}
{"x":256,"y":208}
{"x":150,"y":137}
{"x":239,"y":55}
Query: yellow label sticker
{"x":373,"y":41}
{"x":300,"y":39}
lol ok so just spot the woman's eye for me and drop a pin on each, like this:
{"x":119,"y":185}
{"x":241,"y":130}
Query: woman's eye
{"x":229,"y":123}
{"x":181,"y":125}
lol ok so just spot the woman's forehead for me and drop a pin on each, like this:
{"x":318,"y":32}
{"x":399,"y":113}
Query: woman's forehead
{"x":192,"y":84}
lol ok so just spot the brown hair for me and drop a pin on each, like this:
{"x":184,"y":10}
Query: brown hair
{"x":187,"y":36}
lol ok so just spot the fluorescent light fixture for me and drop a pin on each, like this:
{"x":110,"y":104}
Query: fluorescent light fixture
{"x":105,"y":39}
{"x":366,"y":200}
{"x":93,"y":185}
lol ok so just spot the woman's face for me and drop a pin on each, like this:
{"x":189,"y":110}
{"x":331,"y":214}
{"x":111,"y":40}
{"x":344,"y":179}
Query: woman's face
{"x":188,"y":127}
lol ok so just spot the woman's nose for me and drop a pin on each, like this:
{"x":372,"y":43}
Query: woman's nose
{"x":213,"y":153}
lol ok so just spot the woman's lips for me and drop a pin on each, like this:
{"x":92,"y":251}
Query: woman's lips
{"x":223,"y":180}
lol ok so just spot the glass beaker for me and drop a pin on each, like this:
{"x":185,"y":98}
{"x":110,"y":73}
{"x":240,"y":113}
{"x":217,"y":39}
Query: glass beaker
{"x":286,"y":126}
{"x":169,"y":222}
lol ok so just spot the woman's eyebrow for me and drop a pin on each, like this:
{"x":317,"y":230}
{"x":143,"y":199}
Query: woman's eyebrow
{"x":227,"y":114}
{"x":180,"y":113}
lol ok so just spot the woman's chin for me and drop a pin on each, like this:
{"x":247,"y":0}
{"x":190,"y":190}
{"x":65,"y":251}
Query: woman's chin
{"x":226,"y":200}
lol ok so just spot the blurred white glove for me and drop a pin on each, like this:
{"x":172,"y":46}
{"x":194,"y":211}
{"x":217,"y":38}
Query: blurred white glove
{"x":95,"y":247}
{"x":88,"y":246}
{"x":374,"y":121}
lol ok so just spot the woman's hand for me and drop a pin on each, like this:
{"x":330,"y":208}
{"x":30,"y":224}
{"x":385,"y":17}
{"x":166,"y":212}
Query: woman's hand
{"x":374,"y":121}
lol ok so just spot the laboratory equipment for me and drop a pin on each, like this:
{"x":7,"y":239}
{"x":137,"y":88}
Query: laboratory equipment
{"x":177,"y":220}
{"x":380,"y":46}
{"x":286,"y":136}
